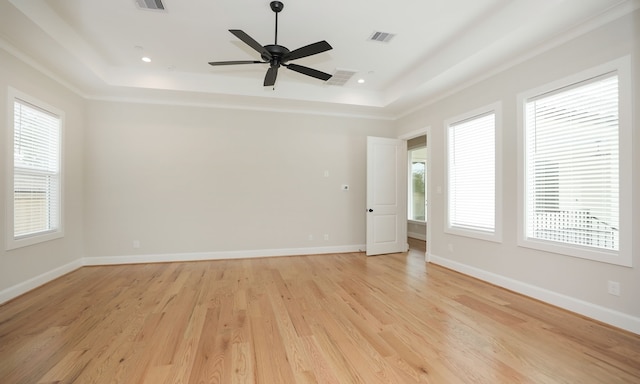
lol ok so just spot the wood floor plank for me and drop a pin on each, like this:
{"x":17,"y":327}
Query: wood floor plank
{"x":242,"y":363}
{"x":343,"y":318}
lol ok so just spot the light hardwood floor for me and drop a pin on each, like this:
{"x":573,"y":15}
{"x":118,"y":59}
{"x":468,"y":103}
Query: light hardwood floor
{"x":417,"y":245}
{"x":339,"y":318}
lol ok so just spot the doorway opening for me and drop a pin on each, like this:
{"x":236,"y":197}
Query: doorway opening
{"x":418,"y":176}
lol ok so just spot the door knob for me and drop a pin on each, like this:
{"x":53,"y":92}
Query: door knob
{"x":370,"y":210}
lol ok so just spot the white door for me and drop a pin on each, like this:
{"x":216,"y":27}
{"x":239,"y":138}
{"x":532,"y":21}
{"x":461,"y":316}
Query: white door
{"x":386,"y":196}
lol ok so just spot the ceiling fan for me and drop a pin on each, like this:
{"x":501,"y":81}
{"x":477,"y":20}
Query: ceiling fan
{"x":276,"y":55}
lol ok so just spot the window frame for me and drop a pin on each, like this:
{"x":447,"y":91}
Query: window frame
{"x":12,"y":242}
{"x":496,"y":234}
{"x":623,"y":256}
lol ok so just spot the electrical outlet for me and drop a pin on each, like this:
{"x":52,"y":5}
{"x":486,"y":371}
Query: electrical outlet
{"x":310,"y":237}
{"x":136,"y":244}
{"x":450,"y":247}
{"x":613,"y":287}
{"x":326,"y":237}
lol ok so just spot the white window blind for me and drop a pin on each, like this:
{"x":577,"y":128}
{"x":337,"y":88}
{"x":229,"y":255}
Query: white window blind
{"x":36,"y":173}
{"x":471,"y":173}
{"x":572,"y":165}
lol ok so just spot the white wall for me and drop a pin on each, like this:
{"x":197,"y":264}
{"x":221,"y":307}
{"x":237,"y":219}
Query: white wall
{"x":574,"y":283}
{"x":417,"y":230}
{"x":189,"y":180}
{"x":25,"y":268}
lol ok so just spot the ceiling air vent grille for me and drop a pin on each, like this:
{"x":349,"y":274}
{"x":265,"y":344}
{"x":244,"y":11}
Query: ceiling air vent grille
{"x":340,"y":77}
{"x":154,"y":5}
{"x":382,"y":37}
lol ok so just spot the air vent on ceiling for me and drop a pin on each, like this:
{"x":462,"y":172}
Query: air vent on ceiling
{"x":340,"y":77}
{"x":154,"y":5}
{"x":383,"y":37}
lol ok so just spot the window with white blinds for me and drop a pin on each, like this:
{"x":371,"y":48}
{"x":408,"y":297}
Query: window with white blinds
{"x":36,"y":201}
{"x":471,"y":174}
{"x":572,"y":177}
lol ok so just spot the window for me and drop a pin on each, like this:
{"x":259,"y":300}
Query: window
{"x":572,"y":167}
{"x":417,"y":184}
{"x":473,"y":174}
{"x":35,"y":177}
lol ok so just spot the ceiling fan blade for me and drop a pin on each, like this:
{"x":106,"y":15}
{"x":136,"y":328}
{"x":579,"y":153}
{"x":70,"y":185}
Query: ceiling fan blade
{"x":215,"y":63}
{"x":250,"y":42}
{"x":270,"y":78}
{"x":309,"y":71}
{"x":308,"y":50}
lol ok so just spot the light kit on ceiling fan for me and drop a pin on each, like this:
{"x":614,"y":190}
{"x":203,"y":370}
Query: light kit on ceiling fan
{"x":277,"y":55}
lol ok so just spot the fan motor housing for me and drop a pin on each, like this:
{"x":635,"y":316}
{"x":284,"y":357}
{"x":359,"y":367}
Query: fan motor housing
{"x":277,"y":53}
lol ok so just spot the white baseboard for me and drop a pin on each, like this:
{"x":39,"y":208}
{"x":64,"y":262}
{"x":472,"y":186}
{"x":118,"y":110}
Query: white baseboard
{"x":35,"y":282}
{"x":419,"y":236}
{"x":597,"y":312}
{"x":221,"y":255}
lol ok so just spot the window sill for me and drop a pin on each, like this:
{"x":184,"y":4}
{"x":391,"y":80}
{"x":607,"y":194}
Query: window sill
{"x":475,"y":234}
{"x":32,"y":240}
{"x":610,"y":257}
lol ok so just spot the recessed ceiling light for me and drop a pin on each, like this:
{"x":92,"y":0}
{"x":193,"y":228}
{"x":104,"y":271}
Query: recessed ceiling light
{"x":146,"y":59}
{"x":360,"y":81}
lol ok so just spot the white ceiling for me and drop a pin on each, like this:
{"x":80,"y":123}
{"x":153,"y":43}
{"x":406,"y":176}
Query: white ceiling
{"x":440,"y":45}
